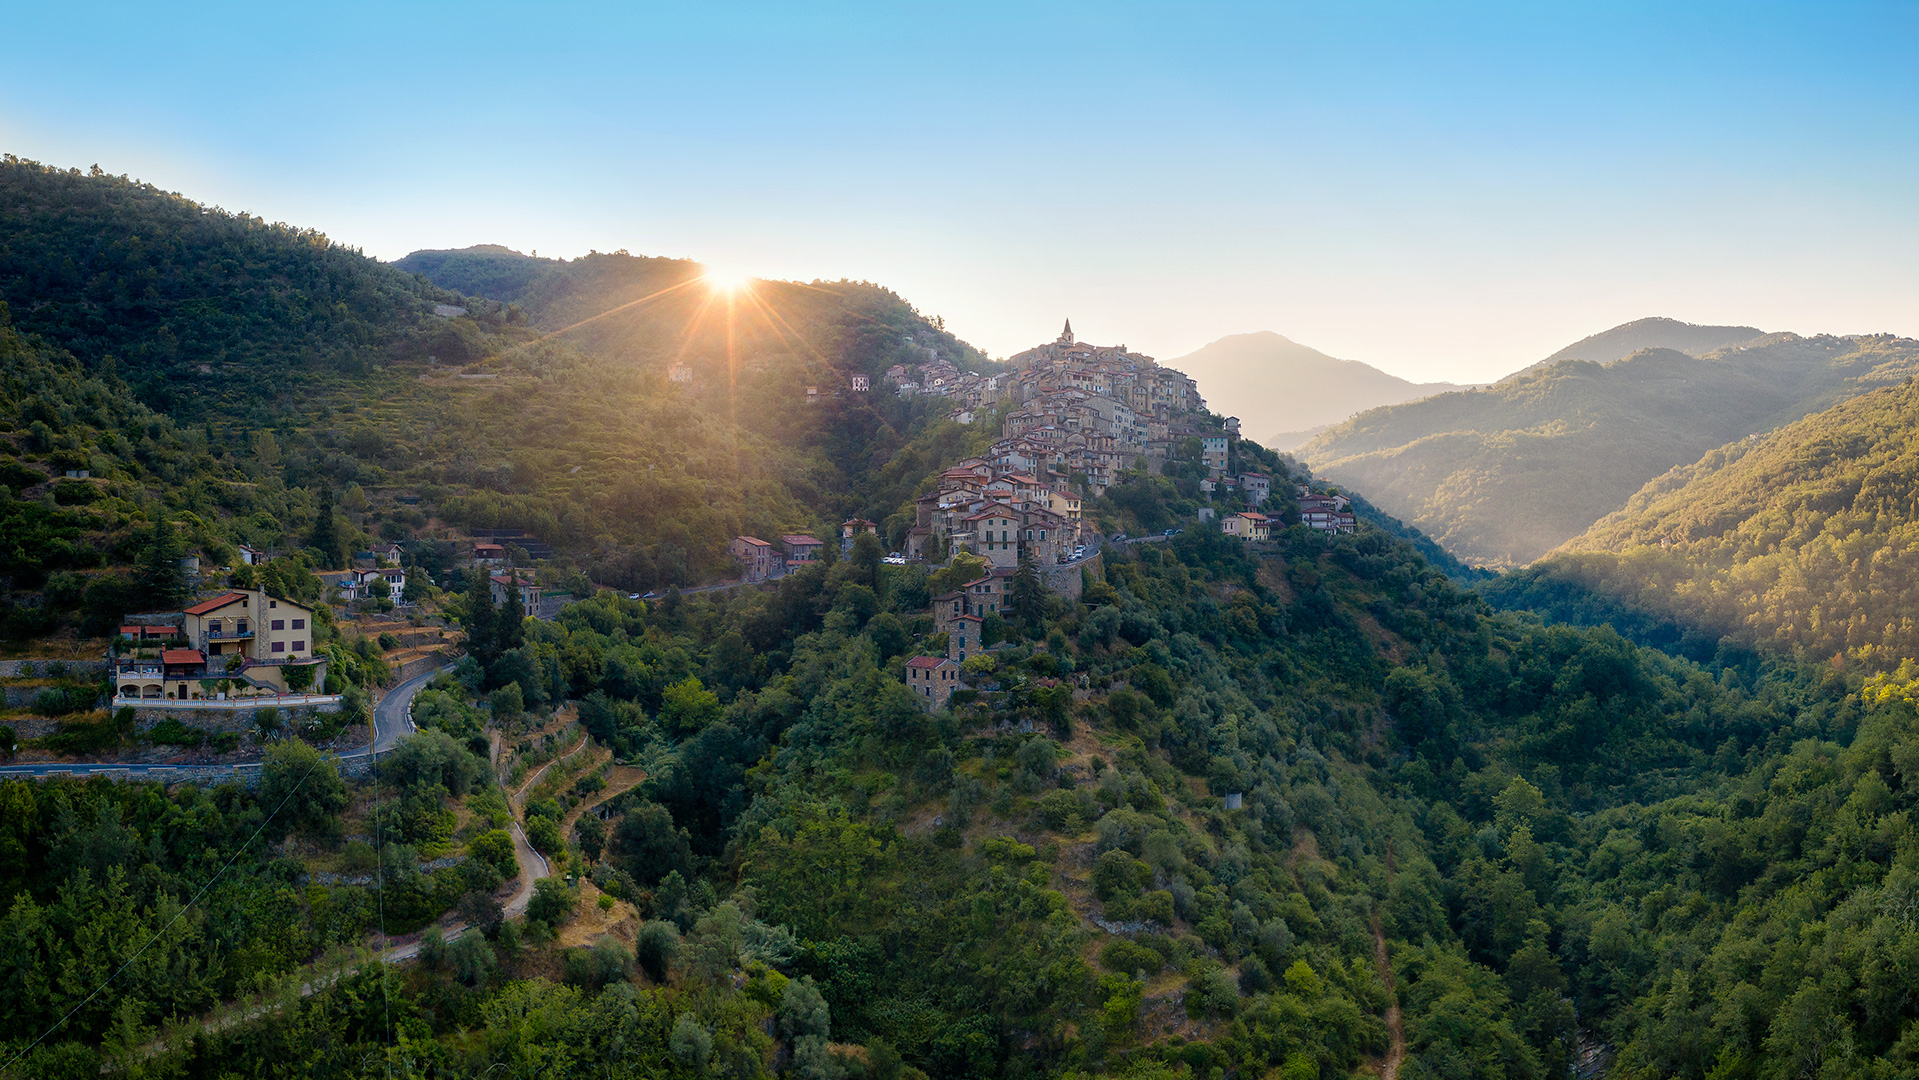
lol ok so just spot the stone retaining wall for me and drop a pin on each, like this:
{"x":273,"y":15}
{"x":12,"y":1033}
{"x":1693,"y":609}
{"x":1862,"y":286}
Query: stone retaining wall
{"x":10,"y":669}
{"x":419,"y":665}
{"x":1066,"y":580}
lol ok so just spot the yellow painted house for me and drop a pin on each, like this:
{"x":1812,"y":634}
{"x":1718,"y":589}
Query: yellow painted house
{"x":243,"y":635}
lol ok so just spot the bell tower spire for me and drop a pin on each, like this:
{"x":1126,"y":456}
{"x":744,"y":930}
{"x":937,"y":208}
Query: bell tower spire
{"x":1066,"y":335}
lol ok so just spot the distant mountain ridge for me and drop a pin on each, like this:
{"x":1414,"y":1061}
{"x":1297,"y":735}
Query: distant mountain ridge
{"x":1657,"y":332}
{"x":1276,"y":385}
{"x":1504,"y":474}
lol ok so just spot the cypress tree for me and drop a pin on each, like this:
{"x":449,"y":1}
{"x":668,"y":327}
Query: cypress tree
{"x":161,"y":580}
{"x":509,"y":632}
{"x":1029,"y":596}
{"x":326,"y":538}
{"x":480,"y":618}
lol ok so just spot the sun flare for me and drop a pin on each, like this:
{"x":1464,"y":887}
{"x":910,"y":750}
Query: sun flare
{"x":725,"y":281}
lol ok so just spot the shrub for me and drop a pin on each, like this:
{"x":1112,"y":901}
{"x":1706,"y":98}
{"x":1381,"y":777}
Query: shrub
{"x":1060,"y":811}
{"x":552,"y":901}
{"x":657,"y":943}
{"x":606,"y":962}
{"x":1130,"y":957}
{"x":496,"y":847}
{"x":544,"y":834}
{"x":1116,"y":875}
{"x":171,"y":732}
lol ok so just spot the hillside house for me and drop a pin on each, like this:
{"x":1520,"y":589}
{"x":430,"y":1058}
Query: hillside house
{"x":1329,"y":521}
{"x":1256,"y":488}
{"x":963,"y":637}
{"x":995,"y":534}
{"x":946,"y":608}
{"x":758,"y":559}
{"x":1212,"y":451}
{"x":243,"y":634}
{"x":528,"y":588}
{"x":852,"y":527}
{"x":1247,"y":526}
{"x":489,"y":554}
{"x":932,"y":679}
{"x":983,"y":595}
{"x":801,"y":549}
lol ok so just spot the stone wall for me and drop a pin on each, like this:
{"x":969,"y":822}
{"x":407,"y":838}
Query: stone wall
{"x":10,"y":669}
{"x":420,"y":665}
{"x":1066,"y":580}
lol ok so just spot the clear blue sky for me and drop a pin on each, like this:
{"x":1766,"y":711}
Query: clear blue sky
{"x":1444,"y":191}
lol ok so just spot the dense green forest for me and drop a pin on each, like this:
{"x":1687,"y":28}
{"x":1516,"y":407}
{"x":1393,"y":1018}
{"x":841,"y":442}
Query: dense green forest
{"x":1561,"y":840}
{"x":1800,"y":542}
{"x":1503,"y":474}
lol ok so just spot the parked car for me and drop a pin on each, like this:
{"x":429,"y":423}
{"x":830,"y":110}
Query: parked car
{"x":895,"y":559}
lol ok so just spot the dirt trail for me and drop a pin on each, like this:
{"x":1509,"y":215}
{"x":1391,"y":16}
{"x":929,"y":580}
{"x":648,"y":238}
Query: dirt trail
{"x":1395,"y":1023}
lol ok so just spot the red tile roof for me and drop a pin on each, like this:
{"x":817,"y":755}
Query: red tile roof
{"x":214,"y":604}
{"x":181,"y":656}
{"x":802,"y":540}
{"x":926,"y":662}
{"x":752,"y":540}
{"x":969,"y":618}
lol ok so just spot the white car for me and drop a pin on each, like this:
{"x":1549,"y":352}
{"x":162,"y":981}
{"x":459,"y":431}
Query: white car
{"x":895,"y":559}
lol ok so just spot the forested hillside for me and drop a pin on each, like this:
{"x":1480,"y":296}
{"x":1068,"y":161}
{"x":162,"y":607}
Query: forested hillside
{"x":1802,"y":541}
{"x":1504,"y":474}
{"x":205,"y":312}
{"x":1560,"y":842}
{"x":249,"y":371}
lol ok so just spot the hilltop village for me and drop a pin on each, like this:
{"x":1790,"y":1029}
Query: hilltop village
{"x":1074,"y":417}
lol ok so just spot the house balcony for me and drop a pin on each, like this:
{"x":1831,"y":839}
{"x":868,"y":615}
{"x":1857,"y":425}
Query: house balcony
{"x":228,"y":635}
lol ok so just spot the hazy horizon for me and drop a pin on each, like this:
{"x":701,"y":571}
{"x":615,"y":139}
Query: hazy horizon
{"x":1441,"y":195}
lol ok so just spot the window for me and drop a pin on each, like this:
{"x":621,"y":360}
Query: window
{"x":279,"y":646}
{"x":273,"y":603}
{"x":279,"y":624}
{"x":299,"y":646}
{"x":299,"y":624}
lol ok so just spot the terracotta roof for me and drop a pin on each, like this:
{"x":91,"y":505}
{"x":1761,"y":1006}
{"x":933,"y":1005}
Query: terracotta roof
{"x":972,"y":618}
{"x":753,"y":540}
{"x":926,"y":662}
{"x":181,"y":656}
{"x":214,"y":604}
{"x":802,"y":540}
{"x":487,"y":547}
